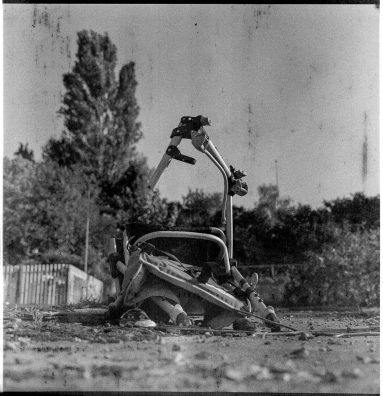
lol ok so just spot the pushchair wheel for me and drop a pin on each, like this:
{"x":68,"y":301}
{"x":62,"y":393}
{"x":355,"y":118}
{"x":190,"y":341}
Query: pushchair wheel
{"x":273,"y":326}
{"x":183,"y":320}
{"x":244,"y":324}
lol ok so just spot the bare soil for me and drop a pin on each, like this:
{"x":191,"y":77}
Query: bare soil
{"x":90,"y":355}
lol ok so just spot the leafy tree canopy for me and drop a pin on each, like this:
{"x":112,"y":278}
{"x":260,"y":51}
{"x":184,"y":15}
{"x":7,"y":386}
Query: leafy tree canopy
{"x":100,"y":113}
{"x":102,"y":130}
{"x":45,"y":210}
{"x":358,"y":210}
{"x":24,"y":152}
{"x":200,"y":209}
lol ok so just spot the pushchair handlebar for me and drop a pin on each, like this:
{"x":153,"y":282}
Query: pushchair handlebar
{"x":192,"y":128}
{"x":183,"y":131}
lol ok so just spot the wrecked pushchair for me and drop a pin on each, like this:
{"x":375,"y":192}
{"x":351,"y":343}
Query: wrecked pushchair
{"x":174,"y":274}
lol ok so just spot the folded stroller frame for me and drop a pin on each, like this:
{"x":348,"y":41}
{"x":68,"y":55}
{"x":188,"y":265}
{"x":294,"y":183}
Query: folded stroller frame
{"x":173,"y":273}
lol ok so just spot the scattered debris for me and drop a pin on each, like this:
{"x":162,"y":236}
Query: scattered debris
{"x":180,"y":359}
{"x":254,"y":371}
{"x":367,"y":359}
{"x":10,"y":346}
{"x":24,"y":341}
{"x":281,"y":368}
{"x":330,"y":377}
{"x":324,"y":349}
{"x":300,"y":353}
{"x":364,"y":359}
{"x":202,"y":355}
{"x":305,"y":336}
{"x":354,"y":373}
{"x":62,"y":345}
{"x":359,"y":334}
{"x":306,"y":376}
{"x":176,"y":347}
{"x":333,"y":342}
{"x":260,"y":372}
{"x":235,"y":374}
{"x":145,"y":323}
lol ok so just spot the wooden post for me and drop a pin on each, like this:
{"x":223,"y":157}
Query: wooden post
{"x":49,"y":283}
{"x":22,"y":284}
{"x":38,"y":283}
{"x":18,"y":285}
{"x":6,"y":277}
{"x":87,"y":245}
{"x":55,"y":274}
{"x":68,"y":286}
{"x":33,"y":284}
{"x":42,"y":285}
{"x":45,"y":290}
{"x":26,"y":284}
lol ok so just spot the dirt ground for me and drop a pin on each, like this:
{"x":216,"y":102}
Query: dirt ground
{"x":84,"y":355}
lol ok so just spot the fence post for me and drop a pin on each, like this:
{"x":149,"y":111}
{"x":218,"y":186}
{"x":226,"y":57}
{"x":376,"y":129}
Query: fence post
{"x":66,"y":290}
{"x":20,"y":285}
{"x":38,"y":270}
{"x":6,"y":282}
{"x":69,"y":285}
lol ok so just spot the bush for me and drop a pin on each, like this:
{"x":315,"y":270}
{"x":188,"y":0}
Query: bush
{"x":56,"y":257}
{"x":343,"y":272}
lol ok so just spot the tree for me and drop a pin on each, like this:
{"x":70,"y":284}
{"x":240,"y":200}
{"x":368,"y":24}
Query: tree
{"x":102,"y":130}
{"x":24,"y":152}
{"x":358,"y":211}
{"x":270,"y":205}
{"x":343,"y":272}
{"x":18,"y":207}
{"x":199,"y":209}
{"x":128,"y":199}
{"x":45,"y":211}
{"x":100,"y":113}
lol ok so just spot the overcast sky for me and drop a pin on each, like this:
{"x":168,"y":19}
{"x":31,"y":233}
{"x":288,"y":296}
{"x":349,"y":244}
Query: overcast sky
{"x":297,"y":84}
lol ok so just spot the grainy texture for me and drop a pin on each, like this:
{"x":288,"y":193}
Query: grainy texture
{"x":43,"y":354}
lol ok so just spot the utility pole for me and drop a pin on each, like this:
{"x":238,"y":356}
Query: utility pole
{"x":364,"y":153}
{"x":276,"y":175}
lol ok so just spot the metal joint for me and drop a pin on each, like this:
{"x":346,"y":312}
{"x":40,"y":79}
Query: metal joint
{"x":175,"y":153}
{"x":183,"y":131}
{"x":200,"y":139}
{"x":236,"y":185}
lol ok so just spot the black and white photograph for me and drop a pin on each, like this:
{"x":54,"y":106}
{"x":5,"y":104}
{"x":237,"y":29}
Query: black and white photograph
{"x":191,"y":198}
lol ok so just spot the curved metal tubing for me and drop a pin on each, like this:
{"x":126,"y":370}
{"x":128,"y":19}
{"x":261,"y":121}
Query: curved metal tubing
{"x":202,"y":142}
{"x":187,"y":234}
{"x":225,"y":185}
{"x":211,"y":148}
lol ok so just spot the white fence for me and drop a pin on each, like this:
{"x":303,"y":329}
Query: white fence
{"x":48,"y":284}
